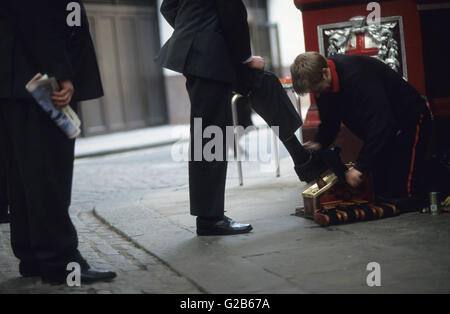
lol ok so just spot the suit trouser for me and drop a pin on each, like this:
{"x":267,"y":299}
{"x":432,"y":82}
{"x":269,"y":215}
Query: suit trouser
{"x":211,"y":101}
{"x":402,"y":170}
{"x":39,"y":168}
{"x":3,"y":187}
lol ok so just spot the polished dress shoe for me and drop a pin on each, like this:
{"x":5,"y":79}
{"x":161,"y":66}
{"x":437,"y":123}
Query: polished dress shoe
{"x":224,"y":226}
{"x":87,"y":276}
{"x":312,"y":169}
{"x":92,"y":275}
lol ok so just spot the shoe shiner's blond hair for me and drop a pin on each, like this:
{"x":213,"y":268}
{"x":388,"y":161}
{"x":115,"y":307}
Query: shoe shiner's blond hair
{"x":306,"y":71}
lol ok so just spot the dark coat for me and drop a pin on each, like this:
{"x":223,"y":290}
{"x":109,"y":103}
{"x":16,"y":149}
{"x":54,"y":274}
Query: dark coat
{"x":35,"y":37}
{"x":210,"y":40}
{"x":374,"y":102}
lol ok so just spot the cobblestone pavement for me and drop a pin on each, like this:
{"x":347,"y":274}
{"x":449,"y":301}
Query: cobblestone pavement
{"x":110,"y":180}
{"x":138,"y":271}
{"x":123,"y":177}
{"x":129,"y":176}
{"x":107,"y":180}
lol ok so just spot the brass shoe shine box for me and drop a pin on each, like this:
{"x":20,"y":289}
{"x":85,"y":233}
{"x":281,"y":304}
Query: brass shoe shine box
{"x":331,"y":190}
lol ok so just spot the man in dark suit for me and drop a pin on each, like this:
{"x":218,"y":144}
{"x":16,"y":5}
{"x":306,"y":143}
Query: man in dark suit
{"x":35,"y":37}
{"x":211,"y":47}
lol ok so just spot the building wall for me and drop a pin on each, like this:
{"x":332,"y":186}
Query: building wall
{"x":292,"y":39}
{"x":176,"y":95}
{"x":126,"y":37}
{"x":282,"y":12}
{"x":290,"y":27}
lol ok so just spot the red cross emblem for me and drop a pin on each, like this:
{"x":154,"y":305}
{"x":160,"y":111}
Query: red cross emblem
{"x":361,"y":48}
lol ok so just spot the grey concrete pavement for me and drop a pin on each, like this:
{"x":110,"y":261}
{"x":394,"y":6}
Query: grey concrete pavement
{"x":143,"y":196}
{"x":285,"y":253}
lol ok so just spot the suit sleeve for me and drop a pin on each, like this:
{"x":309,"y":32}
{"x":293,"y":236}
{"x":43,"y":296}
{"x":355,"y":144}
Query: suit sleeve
{"x":41,"y":26}
{"x":379,"y":122}
{"x":169,"y":9}
{"x":86,"y":73}
{"x":233,"y":20}
{"x":330,"y":123}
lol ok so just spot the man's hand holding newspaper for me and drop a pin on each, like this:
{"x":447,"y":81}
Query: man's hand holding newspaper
{"x":63,"y":97}
{"x":55,"y":102}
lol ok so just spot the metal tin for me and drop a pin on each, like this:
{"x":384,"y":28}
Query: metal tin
{"x":434,"y":203}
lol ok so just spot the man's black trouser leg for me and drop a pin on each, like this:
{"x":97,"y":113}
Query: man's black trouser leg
{"x":211,"y":101}
{"x":402,"y":171}
{"x":40,"y":167}
{"x":270,"y":101}
{"x":210,"y":106}
{"x":3,"y":187}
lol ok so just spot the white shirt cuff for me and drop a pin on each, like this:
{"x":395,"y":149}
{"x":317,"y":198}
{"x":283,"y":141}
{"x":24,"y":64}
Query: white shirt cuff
{"x":248,"y":60}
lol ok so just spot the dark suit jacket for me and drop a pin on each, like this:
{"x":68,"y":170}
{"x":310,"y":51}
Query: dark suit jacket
{"x":35,"y":37}
{"x":210,"y":40}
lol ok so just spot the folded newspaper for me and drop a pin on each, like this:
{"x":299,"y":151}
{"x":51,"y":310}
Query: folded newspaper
{"x":41,"y":88}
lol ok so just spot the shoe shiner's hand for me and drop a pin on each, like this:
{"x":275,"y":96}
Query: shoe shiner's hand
{"x":313,"y":146}
{"x":257,"y":63}
{"x":353,"y":177}
{"x":64,"y":96}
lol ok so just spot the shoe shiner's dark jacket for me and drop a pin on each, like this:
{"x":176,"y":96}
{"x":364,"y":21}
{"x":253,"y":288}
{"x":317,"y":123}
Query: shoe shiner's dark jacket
{"x":372,"y":100}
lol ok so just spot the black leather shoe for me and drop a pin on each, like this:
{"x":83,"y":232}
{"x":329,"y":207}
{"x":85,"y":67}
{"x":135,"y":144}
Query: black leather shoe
{"x":312,"y":169}
{"x":87,"y":276}
{"x":332,"y":158}
{"x":91,"y":275}
{"x":224,"y":226}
